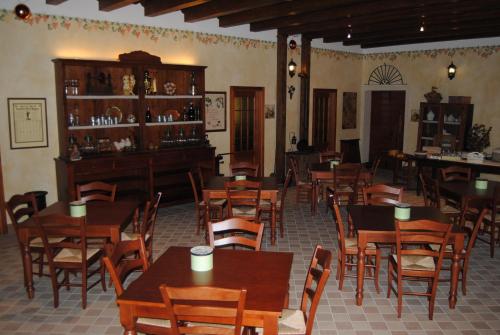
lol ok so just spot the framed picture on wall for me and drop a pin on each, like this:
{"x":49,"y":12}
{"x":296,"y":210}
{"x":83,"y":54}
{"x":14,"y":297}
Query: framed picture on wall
{"x":349,"y":110}
{"x":215,"y":111}
{"x":27,"y":123}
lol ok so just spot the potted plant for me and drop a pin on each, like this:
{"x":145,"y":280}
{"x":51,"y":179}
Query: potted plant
{"x":478,"y":138}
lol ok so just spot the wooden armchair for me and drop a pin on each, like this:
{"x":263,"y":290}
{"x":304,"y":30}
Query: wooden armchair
{"x":243,"y":199}
{"x":240,"y":232}
{"x":303,"y":188}
{"x":71,"y":254}
{"x":145,"y":229}
{"x":265,"y":205}
{"x":381,"y":194}
{"x":120,"y":265}
{"x":244,"y":168}
{"x":413,"y":260}
{"x":345,"y":183}
{"x":96,"y":190}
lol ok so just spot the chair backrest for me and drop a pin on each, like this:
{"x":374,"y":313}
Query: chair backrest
{"x":326,"y":156}
{"x":495,"y":206}
{"x":412,"y":238}
{"x":21,"y":207}
{"x":238,"y":226}
{"x":339,"y":224}
{"x":120,"y":264}
{"x":382,"y":194}
{"x":244,"y":168}
{"x":456,"y":173}
{"x":243,"y":194}
{"x":196,"y":179}
{"x":346,"y":174}
{"x":147,"y":226}
{"x":288,"y":178}
{"x":430,"y":191}
{"x":295,"y":168}
{"x":375,"y":165}
{"x":207,"y":303}
{"x":96,"y":190}
{"x":474,"y":231}
{"x":317,"y":276}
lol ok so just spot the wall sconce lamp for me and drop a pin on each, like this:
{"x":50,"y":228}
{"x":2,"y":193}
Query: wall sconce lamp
{"x":22,"y":11}
{"x":291,"y":90}
{"x":292,"y":67}
{"x":452,"y":71}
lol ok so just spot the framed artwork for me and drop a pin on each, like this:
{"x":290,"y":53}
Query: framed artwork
{"x":269,"y":111}
{"x":215,"y":111}
{"x":27,"y":123}
{"x":349,"y":110}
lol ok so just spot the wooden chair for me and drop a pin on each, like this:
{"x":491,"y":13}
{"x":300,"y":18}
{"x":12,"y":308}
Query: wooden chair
{"x":432,"y":197}
{"x":71,"y":254}
{"x":373,"y":171}
{"x":146,"y":228}
{"x":243,"y":199}
{"x":326,"y":156}
{"x":348,"y":249}
{"x":404,"y":168}
{"x":20,"y":208}
{"x":492,"y":221}
{"x":456,"y":173}
{"x":265,"y":205}
{"x":208,"y":304}
{"x":465,"y":256}
{"x":345,"y":183}
{"x":96,"y":190}
{"x":413,"y":260}
{"x":381,"y":194}
{"x":216,"y":205}
{"x":303,"y":192}
{"x":244,"y":168}
{"x":239,"y":231}
{"x":120,"y":265}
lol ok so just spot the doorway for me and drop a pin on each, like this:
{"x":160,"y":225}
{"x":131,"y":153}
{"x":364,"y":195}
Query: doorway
{"x":247,"y":125}
{"x":324,"y":119}
{"x":386,"y":122}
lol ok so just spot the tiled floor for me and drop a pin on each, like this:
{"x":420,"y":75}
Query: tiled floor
{"x":476,"y":313}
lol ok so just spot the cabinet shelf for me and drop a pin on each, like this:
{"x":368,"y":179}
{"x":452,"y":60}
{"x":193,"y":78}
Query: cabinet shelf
{"x":120,"y":125}
{"x":428,"y":121}
{"x":173,"y":97}
{"x":102,"y":97}
{"x":155,"y":124}
{"x":454,"y":123}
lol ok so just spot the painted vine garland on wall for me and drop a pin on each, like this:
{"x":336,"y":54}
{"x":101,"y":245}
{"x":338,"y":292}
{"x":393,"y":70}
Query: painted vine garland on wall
{"x":154,"y":34}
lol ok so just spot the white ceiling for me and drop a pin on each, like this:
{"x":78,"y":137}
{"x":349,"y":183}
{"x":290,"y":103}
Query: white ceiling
{"x":135,"y":14}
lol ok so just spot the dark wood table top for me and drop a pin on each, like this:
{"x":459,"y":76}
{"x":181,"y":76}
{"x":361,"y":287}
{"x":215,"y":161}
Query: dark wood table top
{"x":217,"y":182}
{"x":265,"y":275}
{"x":468,"y":189}
{"x":381,"y":218}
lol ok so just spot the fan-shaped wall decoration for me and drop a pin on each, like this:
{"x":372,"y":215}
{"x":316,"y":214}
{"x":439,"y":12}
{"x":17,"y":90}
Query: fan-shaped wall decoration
{"x":386,"y":75}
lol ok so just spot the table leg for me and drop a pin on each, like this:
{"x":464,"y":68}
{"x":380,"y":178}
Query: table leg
{"x":127,"y":320}
{"x":28,"y":270}
{"x":273,"y":222}
{"x":314,"y":196}
{"x":206,"y":199}
{"x":361,"y":268}
{"x":270,"y":325}
{"x":455,"y":269}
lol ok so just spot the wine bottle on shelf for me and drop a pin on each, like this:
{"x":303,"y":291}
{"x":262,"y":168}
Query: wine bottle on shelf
{"x":191,"y":112}
{"x":148,"y":115}
{"x":147,"y":83}
{"x":197,"y":113}
{"x":192,"y":89}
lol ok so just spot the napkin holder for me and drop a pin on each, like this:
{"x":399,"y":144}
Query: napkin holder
{"x":402,"y":211}
{"x":77,"y":208}
{"x":334,"y":162}
{"x":481,"y":184}
{"x":202,"y":258}
{"x":240,"y":177}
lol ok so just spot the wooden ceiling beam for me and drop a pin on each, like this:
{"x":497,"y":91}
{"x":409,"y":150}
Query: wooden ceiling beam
{"x":355,"y":9}
{"x":217,"y":8}
{"x":289,"y":8}
{"x":54,"y":2}
{"x":109,"y":5}
{"x":159,"y":7}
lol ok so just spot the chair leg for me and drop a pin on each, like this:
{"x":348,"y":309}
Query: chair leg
{"x":66,"y":279}
{"x":389,"y":279}
{"x":342,"y":273}
{"x":400,"y":294}
{"x":102,"y":270}
{"x":433,"y":298}
{"x":40,"y":264}
{"x":492,"y":239}
{"x":378,"y":258}
{"x":84,"y":288}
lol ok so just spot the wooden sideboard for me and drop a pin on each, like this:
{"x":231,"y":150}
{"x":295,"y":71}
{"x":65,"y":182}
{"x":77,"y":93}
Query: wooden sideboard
{"x":138,"y":175}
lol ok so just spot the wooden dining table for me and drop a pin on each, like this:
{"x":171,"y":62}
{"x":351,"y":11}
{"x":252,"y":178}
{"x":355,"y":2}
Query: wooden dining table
{"x":376,"y":224}
{"x":265,"y":275}
{"x":214,"y":189}
{"x":465,"y":191}
{"x":104,"y":219}
{"x":324,"y":172}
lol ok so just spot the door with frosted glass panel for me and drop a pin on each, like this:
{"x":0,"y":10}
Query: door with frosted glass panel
{"x":247,"y":110}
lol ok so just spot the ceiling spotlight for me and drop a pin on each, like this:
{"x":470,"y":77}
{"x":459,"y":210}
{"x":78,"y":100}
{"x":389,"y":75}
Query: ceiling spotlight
{"x":22,"y":11}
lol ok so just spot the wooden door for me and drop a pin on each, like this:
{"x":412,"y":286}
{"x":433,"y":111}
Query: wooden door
{"x":247,"y":125}
{"x":324,"y":118}
{"x":387,"y":122}
{"x":3,"y":219}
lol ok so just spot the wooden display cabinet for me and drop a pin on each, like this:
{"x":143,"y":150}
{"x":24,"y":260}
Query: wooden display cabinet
{"x":94,"y":111}
{"x":441,"y":119}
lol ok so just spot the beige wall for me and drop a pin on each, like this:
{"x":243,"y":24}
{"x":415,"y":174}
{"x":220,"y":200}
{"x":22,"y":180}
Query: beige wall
{"x":27,"y":71}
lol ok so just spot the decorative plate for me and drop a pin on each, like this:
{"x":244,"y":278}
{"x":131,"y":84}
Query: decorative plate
{"x":113,"y":112}
{"x":169,"y":88}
